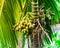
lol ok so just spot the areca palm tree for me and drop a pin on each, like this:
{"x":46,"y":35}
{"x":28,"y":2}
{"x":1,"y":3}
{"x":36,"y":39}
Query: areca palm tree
{"x":47,"y":5}
{"x":12,"y":11}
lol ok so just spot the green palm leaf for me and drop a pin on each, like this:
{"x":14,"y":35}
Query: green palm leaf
{"x":8,"y":38}
{"x":1,"y":5}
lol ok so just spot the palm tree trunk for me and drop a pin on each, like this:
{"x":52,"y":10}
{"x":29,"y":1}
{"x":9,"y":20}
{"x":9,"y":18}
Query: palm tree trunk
{"x":35,"y":38}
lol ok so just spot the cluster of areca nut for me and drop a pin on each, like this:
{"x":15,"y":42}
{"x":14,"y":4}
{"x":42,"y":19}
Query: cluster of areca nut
{"x":28,"y":23}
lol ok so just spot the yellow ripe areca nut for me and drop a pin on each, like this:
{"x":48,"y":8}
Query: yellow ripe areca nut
{"x":26,"y":21}
{"x":26,"y":27}
{"x":25,"y":30}
{"x":21,"y":25}
{"x":16,"y":25}
{"x":30,"y":21}
{"x":17,"y":28}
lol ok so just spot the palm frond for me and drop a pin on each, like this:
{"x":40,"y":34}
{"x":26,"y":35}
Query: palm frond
{"x":8,"y":38}
{"x":1,"y":5}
